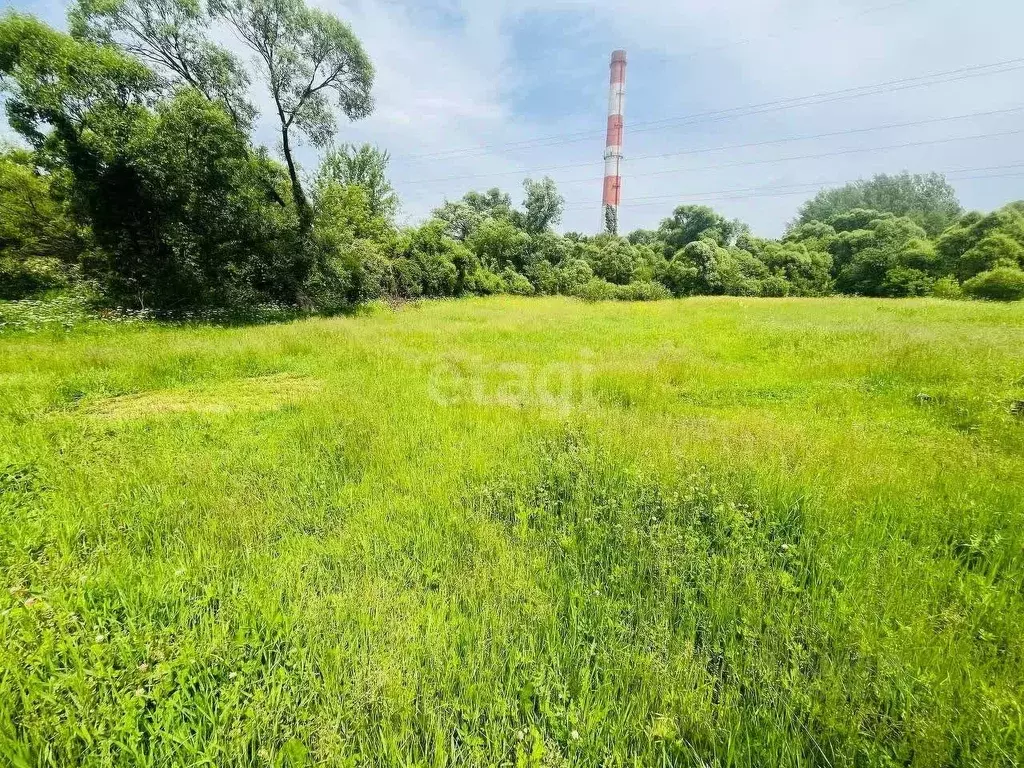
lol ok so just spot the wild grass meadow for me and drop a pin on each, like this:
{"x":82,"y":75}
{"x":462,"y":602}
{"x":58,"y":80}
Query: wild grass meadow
{"x":517,"y":532}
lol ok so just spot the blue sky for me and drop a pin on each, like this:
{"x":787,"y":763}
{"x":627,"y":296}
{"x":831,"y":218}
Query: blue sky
{"x":487,"y":79}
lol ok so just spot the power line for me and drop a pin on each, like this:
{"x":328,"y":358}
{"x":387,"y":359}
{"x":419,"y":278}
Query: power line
{"x":745,"y":163}
{"x":891,"y":86}
{"x":795,"y":189}
{"x":798,"y":28}
{"x":691,"y":54}
{"x":831,"y":134}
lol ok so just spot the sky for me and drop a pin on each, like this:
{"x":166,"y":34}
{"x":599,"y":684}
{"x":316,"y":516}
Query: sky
{"x":472,"y":94}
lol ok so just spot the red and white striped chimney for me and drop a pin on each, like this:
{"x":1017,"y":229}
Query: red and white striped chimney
{"x":613,"y":145}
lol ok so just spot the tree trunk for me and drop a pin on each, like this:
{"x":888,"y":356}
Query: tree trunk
{"x":298,"y":193}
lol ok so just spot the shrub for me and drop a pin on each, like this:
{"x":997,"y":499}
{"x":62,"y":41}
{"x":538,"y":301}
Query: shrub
{"x":988,"y":253}
{"x":775,"y":286}
{"x":483,"y":282}
{"x":573,"y":275}
{"x":374,"y":277}
{"x":947,"y":288}
{"x":408,"y":278}
{"x":906,"y":281}
{"x":613,"y":260}
{"x":544,"y":277}
{"x":999,"y":284}
{"x":597,"y":289}
{"x":23,"y":277}
{"x":517,"y":284}
{"x":179,"y":204}
{"x":680,"y":277}
{"x":644,"y":290}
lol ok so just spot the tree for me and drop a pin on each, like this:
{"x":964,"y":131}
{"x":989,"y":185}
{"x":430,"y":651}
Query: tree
{"x":611,"y":220}
{"x":690,"y":223}
{"x":928,"y":200}
{"x":170,"y":35}
{"x":180,"y":209}
{"x":463,"y":217}
{"x":306,"y":54}
{"x":807,"y":272}
{"x":364,"y":166}
{"x":613,"y":259}
{"x":38,"y":239}
{"x":175,"y":197}
{"x":977,"y":242}
{"x":1003,"y":283}
{"x":543,"y":205}
{"x":643,"y":237}
{"x":887,"y":258}
{"x":498,"y":244}
{"x":57,"y":85}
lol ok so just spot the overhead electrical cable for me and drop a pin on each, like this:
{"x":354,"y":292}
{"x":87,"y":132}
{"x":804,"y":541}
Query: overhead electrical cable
{"x":801,"y":188}
{"x":726,"y":165}
{"x":891,"y":86}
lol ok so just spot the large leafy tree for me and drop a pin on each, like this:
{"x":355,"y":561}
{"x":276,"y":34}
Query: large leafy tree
{"x":543,"y":205}
{"x":690,"y":223}
{"x":978,"y":242}
{"x":463,"y":217}
{"x":171,"y":190}
{"x":58,"y":87}
{"x":365,"y":166}
{"x":171,"y":36}
{"x":927,"y":199}
{"x":312,"y":63}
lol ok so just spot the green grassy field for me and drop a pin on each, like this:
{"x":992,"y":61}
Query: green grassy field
{"x":518,"y":532}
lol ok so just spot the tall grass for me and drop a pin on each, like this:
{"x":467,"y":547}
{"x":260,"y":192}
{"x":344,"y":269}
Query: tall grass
{"x":518,"y":532}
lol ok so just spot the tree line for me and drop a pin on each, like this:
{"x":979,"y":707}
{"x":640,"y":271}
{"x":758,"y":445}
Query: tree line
{"x":139,"y":180}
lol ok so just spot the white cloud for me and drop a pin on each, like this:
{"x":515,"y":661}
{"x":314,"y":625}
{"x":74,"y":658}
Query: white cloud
{"x":455,"y":74}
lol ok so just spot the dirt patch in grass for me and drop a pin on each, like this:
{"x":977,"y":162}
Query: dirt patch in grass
{"x":255,"y":394}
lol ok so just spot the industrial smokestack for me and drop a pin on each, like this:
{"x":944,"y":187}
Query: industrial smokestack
{"x":613,"y":145}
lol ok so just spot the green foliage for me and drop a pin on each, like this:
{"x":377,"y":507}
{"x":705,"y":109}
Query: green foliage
{"x":807,"y":272}
{"x":145,"y":183}
{"x":56,"y":86}
{"x":440,"y":263}
{"x":1002,"y":232}
{"x":176,"y":199}
{"x":573,"y":275}
{"x":775,"y":286}
{"x":597,"y":289}
{"x":172,"y":36}
{"x":543,"y":205}
{"x":722,"y":271}
{"x":690,"y":223}
{"x":499,"y":243}
{"x":611,"y":258}
{"x":307,"y":55}
{"x":516,"y":284}
{"x":1003,"y":283}
{"x":643,"y":290}
{"x":993,"y":249}
{"x":349,"y":274}
{"x":901,"y":281}
{"x":364,"y":166}
{"x":483,"y":282}
{"x":194,"y":225}
{"x":947,"y":288}
{"x":611,"y":220}
{"x":928,"y":200}
{"x":39,"y":241}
